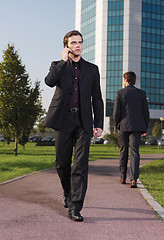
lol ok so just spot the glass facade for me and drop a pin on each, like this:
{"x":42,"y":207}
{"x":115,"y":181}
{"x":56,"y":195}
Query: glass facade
{"x":152,"y":61}
{"x":114,"y":52}
{"x":88,"y":27}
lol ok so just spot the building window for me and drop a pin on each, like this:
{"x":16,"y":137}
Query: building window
{"x":88,"y":25}
{"x":114,"y":52}
{"x":152,"y":61}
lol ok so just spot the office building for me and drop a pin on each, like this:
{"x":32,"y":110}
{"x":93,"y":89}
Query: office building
{"x":123,"y":35}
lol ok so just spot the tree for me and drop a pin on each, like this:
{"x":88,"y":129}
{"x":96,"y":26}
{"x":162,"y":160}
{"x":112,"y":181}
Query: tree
{"x":40,"y":126}
{"x":20,"y":104}
{"x":112,"y":137}
{"x":156,"y":129}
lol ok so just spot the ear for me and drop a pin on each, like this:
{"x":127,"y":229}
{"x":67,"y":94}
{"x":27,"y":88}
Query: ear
{"x":125,"y":82}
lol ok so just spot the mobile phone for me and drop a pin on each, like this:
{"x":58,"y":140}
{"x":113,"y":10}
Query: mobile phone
{"x":69,"y":51}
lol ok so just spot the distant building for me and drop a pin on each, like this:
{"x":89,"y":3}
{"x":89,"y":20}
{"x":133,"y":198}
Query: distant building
{"x":122,"y":35}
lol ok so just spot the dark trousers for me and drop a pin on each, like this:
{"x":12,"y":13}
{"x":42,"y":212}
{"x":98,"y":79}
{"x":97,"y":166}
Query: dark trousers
{"x":73,"y":178}
{"x":130,"y":140}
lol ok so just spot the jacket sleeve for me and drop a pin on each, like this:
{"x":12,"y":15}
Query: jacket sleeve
{"x":145,"y":110}
{"x":98,"y":105}
{"x":117,"y":111}
{"x":52,"y":78}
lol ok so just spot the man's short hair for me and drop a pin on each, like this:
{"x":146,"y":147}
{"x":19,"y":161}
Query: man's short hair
{"x":130,"y":76}
{"x":70,"y":34}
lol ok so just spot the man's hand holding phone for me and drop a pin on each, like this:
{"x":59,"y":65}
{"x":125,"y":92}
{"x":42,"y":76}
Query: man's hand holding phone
{"x":65,"y":53}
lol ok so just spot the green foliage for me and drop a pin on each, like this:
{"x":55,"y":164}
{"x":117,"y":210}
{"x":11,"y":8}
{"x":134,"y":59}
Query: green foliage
{"x":20,"y":104}
{"x":40,"y":126}
{"x":112,"y":138}
{"x":156,"y":129}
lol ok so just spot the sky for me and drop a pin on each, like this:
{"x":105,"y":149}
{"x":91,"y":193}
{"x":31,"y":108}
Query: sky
{"x":36,"y":28}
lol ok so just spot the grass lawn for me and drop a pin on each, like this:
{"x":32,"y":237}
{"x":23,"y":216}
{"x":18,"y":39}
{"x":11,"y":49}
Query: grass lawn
{"x":30,"y":159}
{"x":34,"y":158}
{"x":152,"y":177}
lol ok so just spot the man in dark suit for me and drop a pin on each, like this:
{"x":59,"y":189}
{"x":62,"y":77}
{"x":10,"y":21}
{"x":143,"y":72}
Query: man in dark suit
{"x":131,"y":118}
{"x":77,"y":92}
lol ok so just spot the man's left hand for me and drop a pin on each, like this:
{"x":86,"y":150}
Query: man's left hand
{"x":97,"y":132}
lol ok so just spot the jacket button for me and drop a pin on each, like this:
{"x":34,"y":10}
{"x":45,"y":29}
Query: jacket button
{"x":70,"y":93}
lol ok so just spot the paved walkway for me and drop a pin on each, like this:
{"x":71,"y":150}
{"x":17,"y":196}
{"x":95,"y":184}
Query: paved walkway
{"x":31,"y":208}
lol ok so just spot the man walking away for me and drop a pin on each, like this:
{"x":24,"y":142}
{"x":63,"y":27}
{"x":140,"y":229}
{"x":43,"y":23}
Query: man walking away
{"x":131,"y":118}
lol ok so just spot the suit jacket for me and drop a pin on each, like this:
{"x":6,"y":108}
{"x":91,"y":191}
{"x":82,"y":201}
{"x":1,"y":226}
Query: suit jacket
{"x":61,"y":76}
{"x":131,"y":111}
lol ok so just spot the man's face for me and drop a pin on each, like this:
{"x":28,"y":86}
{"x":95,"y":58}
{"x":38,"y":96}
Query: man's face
{"x":75,"y":44}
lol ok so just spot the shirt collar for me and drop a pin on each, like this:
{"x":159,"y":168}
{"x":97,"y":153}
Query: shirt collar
{"x":73,"y":62}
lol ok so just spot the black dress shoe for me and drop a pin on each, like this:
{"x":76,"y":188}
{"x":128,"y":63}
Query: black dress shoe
{"x":122,"y":181}
{"x":65,"y":201}
{"x":75,"y":216}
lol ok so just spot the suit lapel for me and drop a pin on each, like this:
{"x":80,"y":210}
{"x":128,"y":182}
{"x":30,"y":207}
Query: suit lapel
{"x":69,"y":68}
{"x":82,"y":69}
{"x":83,"y":72}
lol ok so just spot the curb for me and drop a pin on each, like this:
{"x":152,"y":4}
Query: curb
{"x":149,"y":198}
